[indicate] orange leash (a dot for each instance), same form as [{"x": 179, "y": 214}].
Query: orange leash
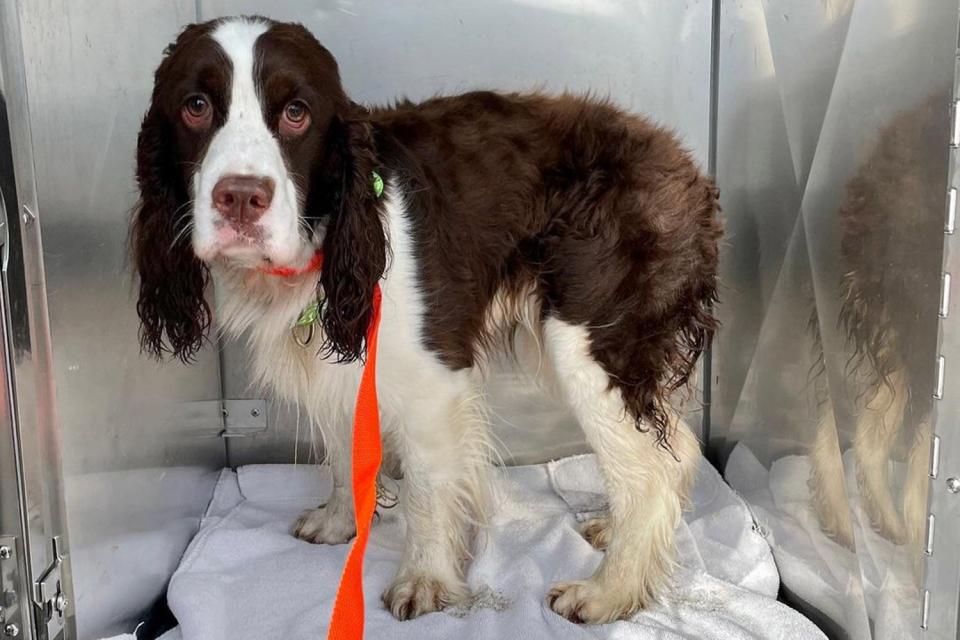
[{"x": 346, "y": 622}]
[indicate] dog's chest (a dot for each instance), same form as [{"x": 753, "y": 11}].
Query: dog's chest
[{"x": 299, "y": 375}]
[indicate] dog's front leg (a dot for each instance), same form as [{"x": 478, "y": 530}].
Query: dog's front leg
[
  {"x": 333, "y": 522},
  {"x": 438, "y": 476}
]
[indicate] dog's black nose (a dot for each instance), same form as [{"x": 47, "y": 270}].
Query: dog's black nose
[{"x": 242, "y": 199}]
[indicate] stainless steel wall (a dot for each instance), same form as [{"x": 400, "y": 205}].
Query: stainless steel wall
[
  {"x": 139, "y": 442},
  {"x": 138, "y": 457},
  {"x": 649, "y": 56},
  {"x": 832, "y": 129}
]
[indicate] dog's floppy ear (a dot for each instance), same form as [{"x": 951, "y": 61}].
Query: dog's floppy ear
[
  {"x": 355, "y": 244},
  {"x": 174, "y": 313}
]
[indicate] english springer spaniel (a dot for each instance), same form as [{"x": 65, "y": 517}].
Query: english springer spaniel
[{"x": 564, "y": 217}]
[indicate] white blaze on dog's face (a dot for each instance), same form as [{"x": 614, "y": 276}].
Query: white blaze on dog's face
[
  {"x": 246, "y": 205},
  {"x": 256, "y": 105}
]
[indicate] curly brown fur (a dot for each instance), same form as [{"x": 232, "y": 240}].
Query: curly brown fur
[
  {"x": 599, "y": 213},
  {"x": 890, "y": 278},
  {"x": 174, "y": 313}
]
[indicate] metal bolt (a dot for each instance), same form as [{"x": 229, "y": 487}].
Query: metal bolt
[
  {"x": 953, "y": 485},
  {"x": 60, "y": 603},
  {"x": 5, "y": 552},
  {"x": 255, "y": 412},
  {"x": 11, "y": 630}
]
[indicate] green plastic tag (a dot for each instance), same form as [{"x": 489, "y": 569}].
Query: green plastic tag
[
  {"x": 309, "y": 315},
  {"x": 377, "y": 184}
]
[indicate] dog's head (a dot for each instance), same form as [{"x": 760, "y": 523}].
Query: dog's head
[{"x": 252, "y": 157}]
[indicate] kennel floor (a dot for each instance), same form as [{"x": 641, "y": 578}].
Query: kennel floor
[
  {"x": 245, "y": 577},
  {"x": 871, "y": 592}
]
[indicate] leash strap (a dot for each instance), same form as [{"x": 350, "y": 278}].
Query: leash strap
[{"x": 346, "y": 622}]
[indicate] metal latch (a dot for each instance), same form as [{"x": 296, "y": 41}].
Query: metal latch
[
  {"x": 11, "y": 615},
  {"x": 50, "y": 600}
]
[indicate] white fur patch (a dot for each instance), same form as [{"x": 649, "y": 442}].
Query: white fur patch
[
  {"x": 245, "y": 145},
  {"x": 430, "y": 415}
]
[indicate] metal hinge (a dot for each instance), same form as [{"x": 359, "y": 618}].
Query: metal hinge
[
  {"x": 938, "y": 389},
  {"x": 951, "y": 223},
  {"x": 11, "y": 614},
  {"x": 934, "y": 457},
  {"x": 50, "y": 600},
  {"x": 955, "y": 128},
  {"x": 944, "y": 295}
]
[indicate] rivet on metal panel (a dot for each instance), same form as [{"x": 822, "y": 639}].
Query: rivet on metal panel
[
  {"x": 953, "y": 485},
  {"x": 27, "y": 216},
  {"x": 935, "y": 457},
  {"x": 11, "y": 630},
  {"x": 931, "y": 523},
  {"x": 951, "y": 223},
  {"x": 5, "y": 552},
  {"x": 945, "y": 295},
  {"x": 255, "y": 412},
  {"x": 941, "y": 365},
  {"x": 955, "y": 133}
]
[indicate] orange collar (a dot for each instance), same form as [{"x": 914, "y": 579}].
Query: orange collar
[{"x": 316, "y": 262}]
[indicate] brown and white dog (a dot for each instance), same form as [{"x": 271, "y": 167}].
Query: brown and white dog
[{"x": 564, "y": 216}]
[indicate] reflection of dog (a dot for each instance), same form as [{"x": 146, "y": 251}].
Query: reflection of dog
[
  {"x": 892, "y": 223},
  {"x": 476, "y": 214}
]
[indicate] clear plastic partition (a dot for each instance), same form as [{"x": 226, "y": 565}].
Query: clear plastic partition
[{"x": 832, "y": 156}]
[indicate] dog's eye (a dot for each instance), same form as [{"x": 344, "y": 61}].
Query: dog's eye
[
  {"x": 295, "y": 118},
  {"x": 196, "y": 112}
]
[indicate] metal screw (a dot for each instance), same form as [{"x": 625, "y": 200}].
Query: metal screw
[
  {"x": 60, "y": 603},
  {"x": 953, "y": 485},
  {"x": 5, "y": 553},
  {"x": 27, "y": 216},
  {"x": 11, "y": 630},
  {"x": 255, "y": 412}
]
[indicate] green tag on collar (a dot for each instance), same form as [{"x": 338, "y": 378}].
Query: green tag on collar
[
  {"x": 309, "y": 315},
  {"x": 377, "y": 184}
]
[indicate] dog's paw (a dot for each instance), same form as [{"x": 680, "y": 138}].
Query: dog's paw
[
  {"x": 414, "y": 595},
  {"x": 326, "y": 525},
  {"x": 838, "y": 527},
  {"x": 597, "y": 532},
  {"x": 587, "y": 601}
]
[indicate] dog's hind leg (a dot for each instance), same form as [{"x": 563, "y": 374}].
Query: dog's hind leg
[
  {"x": 878, "y": 426},
  {"x": 647, "y": 486},
  {"x": 828, "y": 495}
]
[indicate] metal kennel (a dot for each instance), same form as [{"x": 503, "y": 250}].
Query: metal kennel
[{"x": 831, "y": 395}]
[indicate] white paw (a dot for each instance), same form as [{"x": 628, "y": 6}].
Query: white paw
[
  {"x": 597, "y": 532},
  {"x": 413, "y": 595},
  {"x": 587, "y": 601},
  {"x": 326, "y": 525}
]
